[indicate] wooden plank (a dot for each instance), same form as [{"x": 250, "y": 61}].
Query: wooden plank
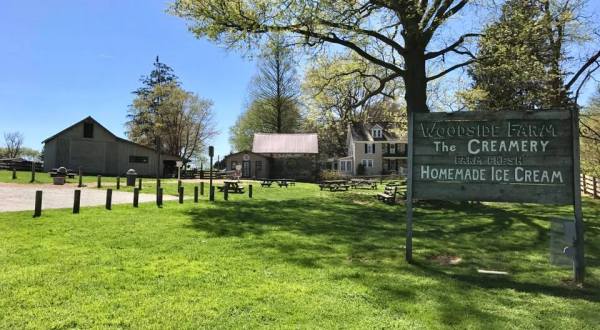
[
  {"x": 492, "y": 192},
  {"x": 504, "y": 156}
]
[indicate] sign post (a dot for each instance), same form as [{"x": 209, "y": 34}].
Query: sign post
[
  {"x": 211, "y": 153},
  {"x": 509, "y": 156}
]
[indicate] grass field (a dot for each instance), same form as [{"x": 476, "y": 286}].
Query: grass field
[
  {"x": 45, "y": 178},
  {"x": 290, "y": 258}
]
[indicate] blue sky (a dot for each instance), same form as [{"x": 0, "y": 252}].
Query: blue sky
[{"x": 63, "y": 60}]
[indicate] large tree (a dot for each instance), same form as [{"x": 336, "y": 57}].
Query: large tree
[
  {"x": 274, "y": 105},
  {"x": 525, "y": 58},
  {"x": 165, "y": 116},
  {"x": 398, "y": 36},
  {"x": 334, "y": 87}
]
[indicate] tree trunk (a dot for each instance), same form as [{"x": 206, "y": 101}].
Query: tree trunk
[{"x": 415, "y": 79}]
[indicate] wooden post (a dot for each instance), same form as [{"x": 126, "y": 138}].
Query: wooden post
[
  {"x": 178, "y": 184},
  {"x": 109, "y": 199},
  {"x": 409, "y": 191},
  {"x": 195, "y": 194},
  {"x": 32, "y": 172},
  {"x": 202, "y": 188},
  {"x": 118, "y": 182},
  {"x": 140, "y": 183},
  {"x": 99, "y": 183},
  {"x": 80, "y": 179},
  {"x": 38, "y": 204},
  {"x": 159, "y": 197},
  {"x": 14, "y": 174},
  {"x": 579, "y": 264},
  {"x": 76, "y": 201},
  {"x": 180, "y": 195},
  {"x": 211, "y": 193},
  {"x": 157, "y": 185},
  {"x": 226, "y": 192},
  {"x": 136, "y": 196},
  {"x": 249, "y": 191}
]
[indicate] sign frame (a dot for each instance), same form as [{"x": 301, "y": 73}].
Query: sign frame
[{"x": 569, "y": 161}]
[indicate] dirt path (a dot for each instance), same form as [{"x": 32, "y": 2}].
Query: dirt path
[{"x": 21, "y": 197}]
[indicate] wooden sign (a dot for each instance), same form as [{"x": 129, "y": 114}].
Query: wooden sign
[{"x": 493, "y": 156}]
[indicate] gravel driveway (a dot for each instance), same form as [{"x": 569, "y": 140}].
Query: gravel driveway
[{"x": 21, "y": 197}]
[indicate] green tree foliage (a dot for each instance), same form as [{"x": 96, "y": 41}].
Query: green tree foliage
[
  {"x": 335, "y": 88},
  {"x": 400, "y": 37},
  {"x": 165, "y": 115},
  {"x": 274, "y": 105},
  {"x": 524, "y": 61},
  {"x": 590, "y": 137}
]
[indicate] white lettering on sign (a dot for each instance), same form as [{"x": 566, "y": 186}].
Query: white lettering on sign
[{"x": 475, "y": 146}]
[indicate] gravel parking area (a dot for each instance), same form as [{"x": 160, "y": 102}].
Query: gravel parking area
[{"x": 21, "y": 197}]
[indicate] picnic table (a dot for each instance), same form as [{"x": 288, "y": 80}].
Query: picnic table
[
  {"x": 266, "y": 182},
  {"x": 286, "y": 182},
  {"x": 233, "y": 186},
  {"x": 334, "y": 185},
  {"x": 363, "y": 183}
]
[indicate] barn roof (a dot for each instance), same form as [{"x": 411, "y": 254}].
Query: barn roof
[
  {"x": 92, "y": 120},
  {"x": 300, "y": 143}
]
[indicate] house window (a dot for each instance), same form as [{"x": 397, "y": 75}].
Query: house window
[
  {"x": 392, "y": 148},
  {"x": 369, "y": 148},
  {"x": 138, "y": 159},
  {"x": 258, "y": 167},
  {"x": 367, "y": 163},
  {"x": 377, "y": 133},
  {"x": 233, "y": 164},
  {"x": 88, "y": 130},
  {"x": 345, "y": 165}
]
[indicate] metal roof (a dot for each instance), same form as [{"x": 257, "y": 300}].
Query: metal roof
[{"x": 301, "y": 143}]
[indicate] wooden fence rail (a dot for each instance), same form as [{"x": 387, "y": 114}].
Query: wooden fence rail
[{"x": 590, "y": 185}]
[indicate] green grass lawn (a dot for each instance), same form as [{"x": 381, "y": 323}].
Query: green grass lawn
[
  {"x": 292, "y": 258},
  {"x": 45, "y": 178}
]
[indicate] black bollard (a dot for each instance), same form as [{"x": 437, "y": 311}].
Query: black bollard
[
  {"x": 140, "y": 183},
  {"x": 180, "y": 195},
  {"x": 32, "y": 172},
  {"x": 195, "y": 194},
  {"x": 118, "y": 182},
  {"x": 99, "y": 183},
  {"x": 38, "y": 204},
  {"x": 76, "y": 201},
  {"x": 80, "y": 180},
  {"x": 136, "y": 197},
  {"x": 202, "y": 188},
  {"x": 14, "y": 174},
  {"x": 226, "y": 192},
  {"x": 109, "y": 199},
  {"x": 250, "y": 191},
  {"x": 159, "y": 197},
  {"x": 212, "y": 194}
]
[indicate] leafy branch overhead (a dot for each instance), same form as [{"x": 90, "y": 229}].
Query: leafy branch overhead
[{"x": 394, "y": 35}]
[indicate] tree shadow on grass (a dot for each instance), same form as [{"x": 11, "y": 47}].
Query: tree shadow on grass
[{"x": 334, "y": 232}]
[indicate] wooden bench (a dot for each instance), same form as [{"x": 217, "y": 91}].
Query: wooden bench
[{"x": 388, "y": 195}]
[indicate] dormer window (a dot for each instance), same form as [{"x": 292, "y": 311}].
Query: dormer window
[{"x": 377, "y": 132}]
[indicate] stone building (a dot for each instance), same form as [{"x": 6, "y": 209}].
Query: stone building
[{"x": 89, "y": 146}]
